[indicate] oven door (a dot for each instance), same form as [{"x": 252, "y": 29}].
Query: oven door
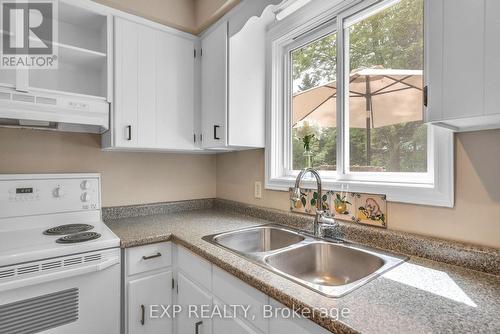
[{"x": 77, "y": 294}]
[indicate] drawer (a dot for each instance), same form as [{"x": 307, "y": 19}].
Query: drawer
[
  {"x": 195, "y": 267},
  {"x": 233, "y": 291},
  {"x": 149, "y": 257}
]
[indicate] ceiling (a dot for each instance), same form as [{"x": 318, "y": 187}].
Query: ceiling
[{"x": 192, "y": 16}]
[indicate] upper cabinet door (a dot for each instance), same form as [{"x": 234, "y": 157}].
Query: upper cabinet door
[
  {"x": 147, "y": 89},
  {"x": 126, "y": 83},
  {"x": 175, "y": 61},
  {"x": 463, "y": 66},
  {"x": 214, "y": 87},
  {"x": 154, "y": 88}
]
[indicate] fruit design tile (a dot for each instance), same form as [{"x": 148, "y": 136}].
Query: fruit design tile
[
  {"x": 371, "y": 210},
  {"x": 303, "y": 204},
  {"x": 368, "y": 209},
  {"x": 314, "y": 202},
  {"x": 343, "y": 205}
]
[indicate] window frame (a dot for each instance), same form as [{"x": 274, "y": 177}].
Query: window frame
[{"x": 316, "y": 20}]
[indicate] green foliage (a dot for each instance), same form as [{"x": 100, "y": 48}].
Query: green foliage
[
  {"x": 392, "y": 38},
  {"x": 341, "y": 200},
  {"x": 316, "y": 63}
]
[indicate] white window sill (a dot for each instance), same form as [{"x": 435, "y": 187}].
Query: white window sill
[{"x": 413, "y": 193}]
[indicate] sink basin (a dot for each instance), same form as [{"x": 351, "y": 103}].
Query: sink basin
[
  {"x": 331, "y": 268},
  {"x": 258, "y": 239},
  {"x": 326, "y": 264}
]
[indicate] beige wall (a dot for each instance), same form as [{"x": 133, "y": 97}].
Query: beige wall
[
  {"x": 209, "y": 11},
  {"x": 178, "y": 14},
  {"x": 474, "y": 219},
  {"x": 191, "y": 16},
  {"x": 127, "y": 178}
]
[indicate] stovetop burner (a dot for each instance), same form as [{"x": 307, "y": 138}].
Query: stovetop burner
[
  {"x": 68, "y": 229},
  {"x": 78, "y": 237}
]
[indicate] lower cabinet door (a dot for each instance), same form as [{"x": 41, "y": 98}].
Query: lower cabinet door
[
  {"x": 232, "y": 326},
  {"x": 145, "y": 299},
  {"x": 284, "y": 323},
  {"x": 194, "y": 302}
]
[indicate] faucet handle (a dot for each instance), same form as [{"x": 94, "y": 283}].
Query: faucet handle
[
  {"x": 296, "y": 194},
  {"x": 323, "y": 219}
]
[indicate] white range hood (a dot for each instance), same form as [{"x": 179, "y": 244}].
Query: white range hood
[{"x": 53, "y": 111}]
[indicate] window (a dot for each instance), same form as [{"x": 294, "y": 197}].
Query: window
[
  {"x": 347, "y": 99},
  {"x": 384, "y": 50},
  {"x": 313, "y": 92}
]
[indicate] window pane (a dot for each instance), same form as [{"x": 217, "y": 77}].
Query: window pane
[
  {"x": 314, "y": 138},
  {"x": 385, "y": 91}
]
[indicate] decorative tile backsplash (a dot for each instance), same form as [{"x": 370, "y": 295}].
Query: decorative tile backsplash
[
  {"x": 368, "y": 209},
  {"x": 302, "y": 205}
]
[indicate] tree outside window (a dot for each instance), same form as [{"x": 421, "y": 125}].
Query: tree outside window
[{"x": 390, "y": 40}]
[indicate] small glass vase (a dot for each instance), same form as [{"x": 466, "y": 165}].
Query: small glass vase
[{"x": 308, "y": 158}]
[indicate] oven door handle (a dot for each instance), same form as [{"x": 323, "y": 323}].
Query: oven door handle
[{"x": 69, "y": 272}]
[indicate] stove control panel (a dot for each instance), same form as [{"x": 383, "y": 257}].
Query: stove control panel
[{"x": 22, "y": 195}]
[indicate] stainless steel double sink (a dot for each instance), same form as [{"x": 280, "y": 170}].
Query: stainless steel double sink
[{"x": 332, "y": 268}]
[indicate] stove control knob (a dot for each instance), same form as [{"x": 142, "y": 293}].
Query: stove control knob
[
  {"x": 58, "y": 192},
  {"x": 85, "y": 185},
  {"x": 85, "y": 197}
]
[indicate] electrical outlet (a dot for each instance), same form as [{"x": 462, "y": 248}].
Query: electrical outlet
[{"x": 258, "y": 189}]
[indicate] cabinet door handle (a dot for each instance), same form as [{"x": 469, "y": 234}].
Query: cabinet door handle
[
  {"x": 426, "y": 95},
  {"x": 197, "y": 327},
  {"x": 151, "y": 256},
  {"x": 129, "y": 132},
  {"x": 143, "y": 311},
  {"x": 215, "y": 132}
]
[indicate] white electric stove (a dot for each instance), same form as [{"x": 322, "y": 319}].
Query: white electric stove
[{"x": 59, "y": 263}]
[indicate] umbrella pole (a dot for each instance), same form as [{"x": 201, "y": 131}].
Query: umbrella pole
[
  {"x": 368, "y": 142},
  {"x": 368, "y": 97}
]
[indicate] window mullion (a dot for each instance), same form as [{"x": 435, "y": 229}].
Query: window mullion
[{"x": 342, "y": 146}]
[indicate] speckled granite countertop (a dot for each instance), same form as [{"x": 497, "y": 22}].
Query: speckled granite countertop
[{"x": 419, "y": 296}]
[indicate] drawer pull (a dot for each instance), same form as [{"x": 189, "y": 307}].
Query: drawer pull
[
  {"x": 143, "y": 311},
  {"x": 215, "y": 132},
  {"x": 129, "y": 132},
  {"x": 197, "y": 327},
  {"x": 151, "y": 256}
]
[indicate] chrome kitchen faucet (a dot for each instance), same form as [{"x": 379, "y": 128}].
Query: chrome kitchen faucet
[{"x": 320, "y": 217}]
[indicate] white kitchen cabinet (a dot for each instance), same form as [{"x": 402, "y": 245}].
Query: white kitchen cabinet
[
  {"x": 230, "y": 324},
  {"x": 190, "y": 295},
  {"x": 201, "y": 283},
  {"x": 147, "y": 282},
  {"x": 175, "y": 85},
  {"x": 232, "y": 291},
  {"x": 153, "y": 290},
  {"x": 214, "y": 87},
  {"x": 76, "y": 95},
  {"x": 285, "y": 323},
  {"x": 233, "y": 78},
  {"x": 463, "y": 67},
  {"x": 154, "y": 89},
  {"x": 126, "y": 102}
]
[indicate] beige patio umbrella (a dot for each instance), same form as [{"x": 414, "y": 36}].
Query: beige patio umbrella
[{"x": 377, "y": 97}]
